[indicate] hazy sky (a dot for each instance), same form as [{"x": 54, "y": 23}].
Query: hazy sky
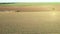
[{"x": 29, "y": 0}]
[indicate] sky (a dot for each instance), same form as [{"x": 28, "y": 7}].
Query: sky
[{"x": 29, "y": 1}]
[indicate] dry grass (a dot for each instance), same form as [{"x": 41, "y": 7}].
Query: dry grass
[{"x": 30, "y": 22}]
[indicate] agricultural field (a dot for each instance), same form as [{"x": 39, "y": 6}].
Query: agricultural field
[
  {"x": 30, "y": 18},
  {"x": 30, "y": 6}
]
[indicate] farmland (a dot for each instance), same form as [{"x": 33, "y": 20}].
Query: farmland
[
  {"x": 33, "y": 18},
  {"x": 31, "y": 6}
]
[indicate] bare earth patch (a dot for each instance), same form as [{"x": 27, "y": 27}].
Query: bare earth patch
[{"x": 27, "y": 8}]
